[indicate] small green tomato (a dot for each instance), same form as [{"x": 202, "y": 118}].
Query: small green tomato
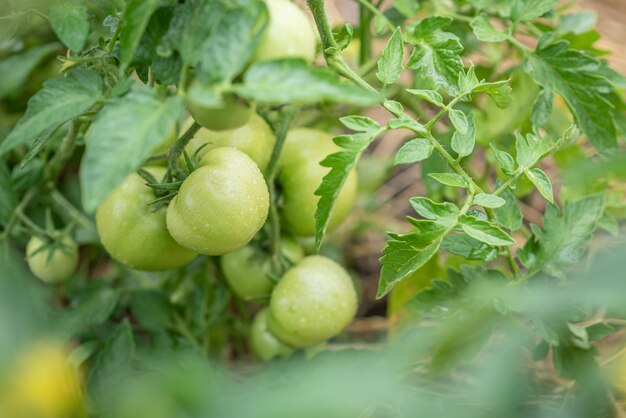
[
  {"x": 52, "y": 263},
  {"x": 264, "y": 344}
]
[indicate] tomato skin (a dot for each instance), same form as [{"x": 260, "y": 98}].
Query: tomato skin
[
  {"x": 54, "y": 268},
  {"x": 255, "y": 138},
  {"x": 135, "y": 235},
  {"x": 289, "y": 34},
  {"x": 301, "y": 174},
  {"x": 231, "y": 115},
  {"x": 314, "y": 301},
  {"x": 246, "y": 269},
  {"x": 263, "y": 342},
  {"x": 221, "y": 205}
]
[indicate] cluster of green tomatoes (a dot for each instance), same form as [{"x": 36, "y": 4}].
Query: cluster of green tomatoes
[{"x": 223, "y": 204}]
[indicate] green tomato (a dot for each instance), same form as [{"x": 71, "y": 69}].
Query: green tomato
[
  {"x": 289, "y": 34},
  {"x": 232, "y": 114},
  {"x": 133, "y": 233},
  {"x": 314, "y": 301},
  {"x": 52, "y": 263},
  {"x": 255, "y": 138},
  {"x": 221, "y": 205},
  {"x": 301, "y": 174},
  {"x": 246, "y": 270},
  {"x": 263, "y": 343}
]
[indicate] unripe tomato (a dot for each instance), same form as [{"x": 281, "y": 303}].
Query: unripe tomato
[
  {"x": 233, "y": 113},
  {"x": 255, "y": 138},
  {"x": 52, "y": 263},
  {"x": 263, "y": 343},
  {"x": 314, "y": 301},
  {"x": 44, "y": 384},
  {"x": 133, "y": 233},
  {"x": 301, "y": 174},
  {"x": 289, "y": 34},
  {"x": 246, "y": 270},
  {"x": 221, "y": 205}
]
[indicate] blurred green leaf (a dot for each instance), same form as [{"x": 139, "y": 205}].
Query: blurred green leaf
[{"x": 70, "y": 20}]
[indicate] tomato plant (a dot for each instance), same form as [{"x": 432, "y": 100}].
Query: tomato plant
[{"x": 453, "y": 170}]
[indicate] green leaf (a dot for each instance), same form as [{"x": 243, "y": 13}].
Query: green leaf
[
  {"x": 430, "y": 96},
  {"x": 562, "y": 239},
  {"x": 485, "y": 32},
  {"x": 415, "y": 150},
  {"x": 468, "y": 247},
  {"x": 112, "y": 362},
  {"x": 408, "y": 8},
  {"x": 94, "y": 308},
  {"x": 530, "y": 149},
  {"x": 499, "y": 91},
  {"x": 344, "y": 36},
  {"x": 488, "y": 200},
  {"x": 151, "y": 308},
  {"x": 485, "y": 231},
  {"x": 395, "y": 108},
  {"x": 541, "y": 182},
  {"x": 405, "y": 254},
  {"x": 61, "y": 100},
  {"x": 578, "y": 78},
  {"x": 359, "y": 123},
  {"x": 390, "y": 64},
  {"x": 8, "y": 198},
  {"x": 113, "y": 153},
  {"x": 294, "y": 81},
  {"x": 405, "y": 122},
  {"x": 509, "y": 215},
  {"x": 505, "y": 160},
  {"x": 437, "y": 54},
  {"x": 14, "y": 70},
  {"x": 444, "y": 213},
  {"x": 577, "y": 22},
  {"x": 459, "y": 120},
  {"x": 450, "y": 179},
  {"x": 542, "y": 108},
  {"x": 463, "y": 143},
  {"x": 227, "y": 51},
  {"x": 135, "y": 21},
  {"x": 525, "y": 10},
  {"x": 341, "y": 164},
  {"x": 70, "y": 22}
]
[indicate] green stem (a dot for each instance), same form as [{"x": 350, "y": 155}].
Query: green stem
[
  {"x": 64, "y": 152},
  {"x": 369, "y": 6},
  {"x": 178, "y": 148},
  {"x": 73, "y": 212},
  {"x": 520, "y": 45},
  {"x": 113, "y": 40},
  {"x": 286, "y": 117},
  {"x": 507, "y": 183},
  {"x": 512, "y": 263}
]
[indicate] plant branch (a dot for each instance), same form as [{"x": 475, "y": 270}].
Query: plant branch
[{"x": 178, "y": 148}]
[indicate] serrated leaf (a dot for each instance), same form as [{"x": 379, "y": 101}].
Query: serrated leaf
[
  {"x": 463, "y": 143},
  {"x": 525, "y": 10},
  {"x": 112, "y": 153},
  {"x": 445, "y": 212},
  {"x": 8, "y": 197},
  {"x": 459, "y": 120},
  {"x": 468, "y": 247},
  {"x": 415, "y": 150},
  {"x": 344, "y": 36},
  {"x": 359, "y": 123},
  {"x": 405, "y": 254},
  {"x": 485, "y": 32},
  {"x": 294, "y": 81},
  {"x": 488, "y": 200},
  {"x": 135, "y": 19},
  {"x": 578, "y": 78},
  {"x": 390, "y": 63},
  {"x": 341, "y": 164},
  {"x": 405, "y": 122},
  {"x": 437, "y": 54},
  {"x": 541, "y": 182},
  {"x": 450, "y": 179},
  {"x": 542, "y": 108},
  {"x": 509, "y": 215},
  {"x": 562, "y": 238},
  {"x": 430, "y": 96},
  {"x": 484, "y": 231},
  {"x": 505, "y": 160},
  {"x": 395, "y": 108},
  {"x": 70, "y": 21},
  {"x": 407, "y": 7},
  {"x": 61, "y": 100},
  {"x": 15, "y": 69}
]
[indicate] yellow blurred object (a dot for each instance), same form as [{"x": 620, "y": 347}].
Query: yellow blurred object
[
  {"x": 43, "y": 384},
  {"x": 618, "y": 373}
]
